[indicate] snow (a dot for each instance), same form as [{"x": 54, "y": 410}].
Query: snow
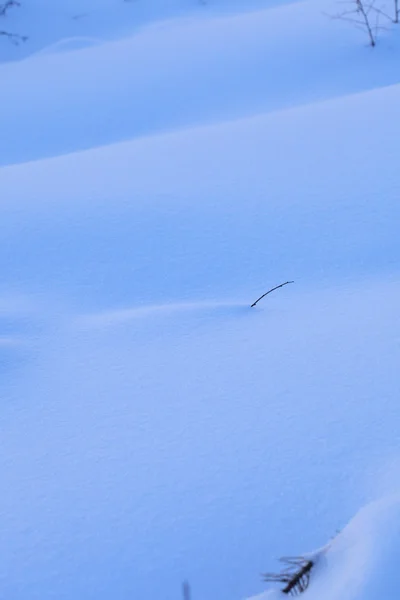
[
  {"x": 166, "y": 77},
  {"x": 163, "y": 165},
  {"x": 361, "y": 562}
]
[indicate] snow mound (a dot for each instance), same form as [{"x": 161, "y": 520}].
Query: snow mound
[
  {"x": 166, "y": 77},
  {"x": 68, "y": 44},
  {"x": 362, "y": 562},
  {"x": 154, "y": 427}
]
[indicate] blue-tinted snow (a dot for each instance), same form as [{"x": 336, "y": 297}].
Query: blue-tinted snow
[{"x": 154, "y": 428}]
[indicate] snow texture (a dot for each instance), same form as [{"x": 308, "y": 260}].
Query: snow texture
[
  {"x": 362, "y": 561},
  {"x": 163, "y": 164}
]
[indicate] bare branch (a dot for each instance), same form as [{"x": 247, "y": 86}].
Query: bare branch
[
  {"x": 186, "y": 591},
  {"x": 4, "y": 7},
  {"x": 269, "y": 291},
  {"x": 357, "y": 24},
  {"x": 364, "y": 14},
  {"x": 360, "y": 14},
  {"x": 396, "y": 11},
  {"x": 15, "y": 38},
  {"x": 382, "y": 13},
  {"x": 295, "y": 577}
]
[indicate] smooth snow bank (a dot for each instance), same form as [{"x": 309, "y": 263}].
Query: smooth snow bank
[
  {"x": 46, "y": 22},
  {"x": 154, "y": 428},
  {"x": 182, "y": 73},
  {"x": 308, "y": 194},
  {"x": 362, "y": 562},
  {"x": 143, "y": 448}
]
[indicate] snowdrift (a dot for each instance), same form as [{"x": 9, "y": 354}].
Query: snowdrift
[
  {"x": 361, "y": 563},
  {"x": 182, "y": 73},
  {"x": 156, "y": 180}
]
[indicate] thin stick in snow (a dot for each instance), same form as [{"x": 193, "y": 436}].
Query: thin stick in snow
[
  {"x": 6, "y": 5},
  {"x": 295, "y": 577},
  {"x": 186, "y": 591},
  {"x": 269, "y": 291},
  {"x": 15, "y": 38},
  {"x": 361, "y": 13}
]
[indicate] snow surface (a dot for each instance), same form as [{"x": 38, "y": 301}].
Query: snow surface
[
  {"x": 163, "y": 165},
  {"x": 361, "y": 562},
  {"x": 180, "y": 73}
]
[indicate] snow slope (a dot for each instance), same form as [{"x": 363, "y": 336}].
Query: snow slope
[
  {"x": 196, "y": 215},
  {"x": 154, "y": 427},
  {"x": 362, "y": 561},
  {"x": 50, "y": 25},
  {"x": 182, "y": 73}
]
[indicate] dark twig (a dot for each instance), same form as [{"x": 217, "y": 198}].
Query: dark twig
[
  {"x": 295, "y": 577},
  {"x": 364, "y": 11},
  {"x": 269, "y": 291},
  {"x": 382, "y": 13},
  {"x": 4, "y": 7},
  {"x": 186, "y": 591},
  {"x": 361, "y": 16},
  {"x": 15, "y": 38}
]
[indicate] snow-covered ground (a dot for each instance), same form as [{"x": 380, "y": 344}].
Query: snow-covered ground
[
  {"x": 163, "y": 165},
  {"x": 180, "y": 73},
  {"x": 361, "y": 562}
]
